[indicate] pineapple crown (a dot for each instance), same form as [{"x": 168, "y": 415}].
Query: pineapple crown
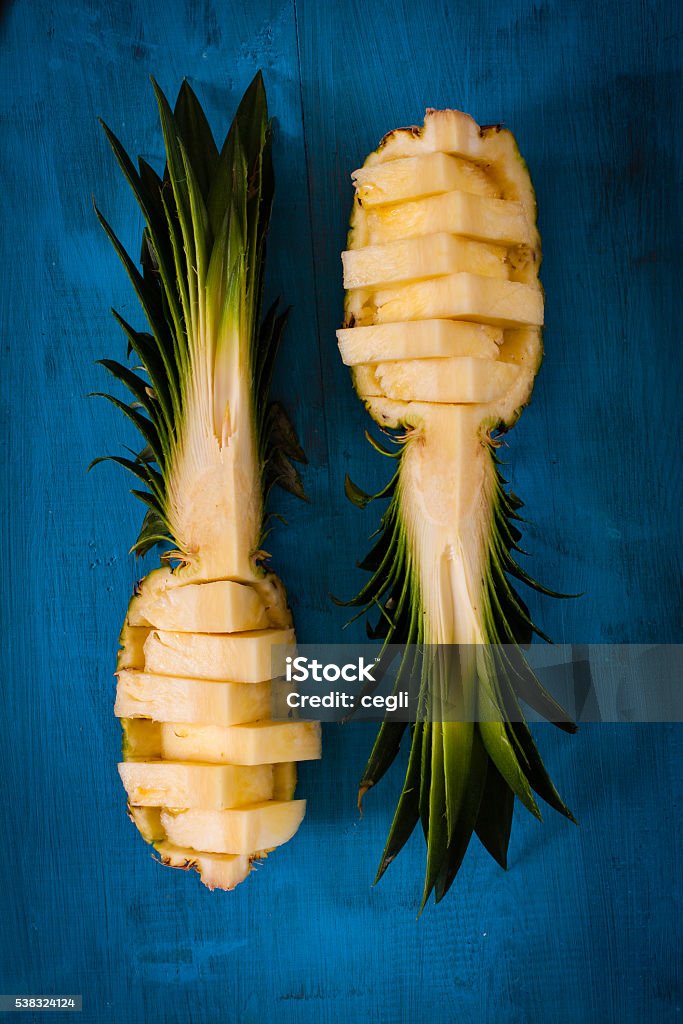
[{"x": 200, "y": 286}]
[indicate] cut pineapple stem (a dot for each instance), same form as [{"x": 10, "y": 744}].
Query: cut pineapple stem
[
  {"x": 443, "y": 335},
  {"x": 196, "y": 655}
]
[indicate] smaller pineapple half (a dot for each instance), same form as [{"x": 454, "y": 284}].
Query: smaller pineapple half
[
  {"x": 442, "y": 332},
  {"x": 210, "y": 778}
]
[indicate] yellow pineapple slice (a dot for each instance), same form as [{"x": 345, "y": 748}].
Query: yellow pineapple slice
[
  {"x": 460, "y": 213},
  {"x": 174, "y": 699},
  {"x": 461, "y": 381},
  {"x": 254, "y": 743},
  {"x": 219, "y": 606},
  {"x": 419, "y": 176},
  {"x": 216, "y": 870},
  {"x": 415, "y": 339},
  {"x": 240, "y": 830},
  {"x": 465, "y": 296},
  {"x": 209, "y": 786},
  {"x": 416, "y": 258},
  {"x": 238, "y": 657}
]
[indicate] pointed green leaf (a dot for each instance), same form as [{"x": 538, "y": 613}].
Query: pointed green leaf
[{"x": 197, "y": 137}]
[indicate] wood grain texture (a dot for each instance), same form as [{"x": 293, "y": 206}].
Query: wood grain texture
[{"x": 586, "y": 926}]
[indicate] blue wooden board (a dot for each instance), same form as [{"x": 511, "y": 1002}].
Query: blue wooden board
[{"x": 586, "y": 926}]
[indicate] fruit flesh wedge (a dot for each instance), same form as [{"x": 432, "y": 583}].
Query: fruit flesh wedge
[
  {"x": 247, "y": 657},
  {"x": 148, "y": 819},
  {"x": 465, "y": 296},
  {"x": 418, "y": 339},
  {"x": 254, "y": 743},
  {"x": 415, "y": 258},
  {"x": 420, "y": 176},
  {"x": 220, "y": 606},
  {"x": 460, "y": 213},
  {"x": 211, "y": 787},
  {"x": 173, "y": 699},
  {"x": 460, "y": 381},
  {"x": 263, "y": 826}
]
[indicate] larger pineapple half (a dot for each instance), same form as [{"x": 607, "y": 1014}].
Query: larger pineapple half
[
  {"x": 443, "y": 319},
  {"x": 210, "y": 778}
]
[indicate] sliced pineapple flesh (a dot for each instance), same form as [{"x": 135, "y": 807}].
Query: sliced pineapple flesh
[
  {"x": 463, "y": 296},
  {"x": 418, "y": 339},
  {"x": 132, "y": 646},
  {"x": 240, "y": 830},
  {"x": 460, "y": 381},
  {"x": 460, "y": 213},
  {"x": 254, "y": 743},
  {"x": 420, "y": 176},
  {"x": 443, "y": 304},
  {"x": 205, "y": 786},
  {"x": 411, "y": 259},
  {"x": 221, "y": 606},
  {"x": 179, "y": 699},
  {"x": 246, "y": 657},
  {"x": 193, "y": 694}
]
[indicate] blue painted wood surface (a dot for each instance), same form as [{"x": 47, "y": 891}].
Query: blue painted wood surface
[{"x": 586, "y": 926}]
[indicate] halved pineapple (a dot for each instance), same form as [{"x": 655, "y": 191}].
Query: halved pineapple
[
  {"x": 197, "y": 645},
  {"x": 443, "y": 248}
]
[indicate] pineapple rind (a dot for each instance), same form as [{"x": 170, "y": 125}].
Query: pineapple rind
[{"x": 217, "y": 871}]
